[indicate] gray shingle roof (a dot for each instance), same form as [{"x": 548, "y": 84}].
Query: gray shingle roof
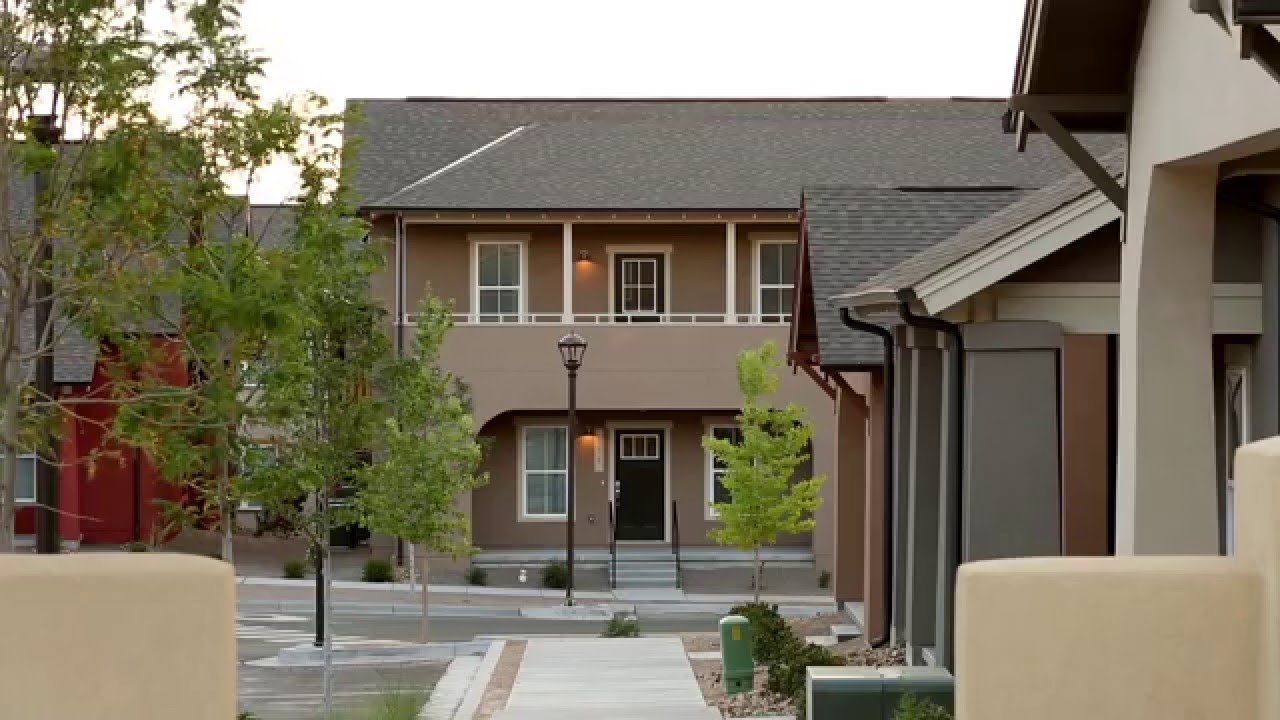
[
  {"x": 692, "y": 154},
  {"x": 990, "y": 229},
  {"x": 854, "y": 232}
]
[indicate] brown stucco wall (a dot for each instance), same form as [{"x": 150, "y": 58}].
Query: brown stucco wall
[
  {"x": 440, "y": 256},
  {"x": 696, "y": 273},
  {"x": 1084, "y": 444},
  {"x": 495, "y": 507},
  {"x": 849, "y": 496}
]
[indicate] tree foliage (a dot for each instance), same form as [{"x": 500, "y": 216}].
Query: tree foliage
[{"x": 766, "y": 497}]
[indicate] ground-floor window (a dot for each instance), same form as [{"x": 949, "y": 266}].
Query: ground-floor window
[
  {"x": 716, "y": 468},
  {"x": 544, "y": 472},
  {"x": 25, "y": 489}
]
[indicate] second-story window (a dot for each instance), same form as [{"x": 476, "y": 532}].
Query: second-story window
[
  {"x": 499, "y": 290},
  {"x": 775, "y": 286}
]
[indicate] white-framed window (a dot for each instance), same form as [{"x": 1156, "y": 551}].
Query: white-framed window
[
  {"x": 256, "y": 456},
  {"x": 25, "y": 489},
  {"x": 640, "y": 286},
  {"x": 775, "y": 279},
  {"x": 498, "y": 294},
  {"x": 716, "y": 468},
  {"x": 544, "y": 471},
  {"x": 639, "y": 446}
]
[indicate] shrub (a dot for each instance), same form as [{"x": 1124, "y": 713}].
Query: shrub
[
  {"x": 396, "y": 705},
  {"x": 136, "y": 546},
  {"x": 622, "y": 625},
  {"x": 771, "y": 639},
  {"x": 787, "y": 675},
  {"x": 916, "y": 708},
  {"x": 555, "y": 575},
  {"x": 477, "y": 576},
  {"x": 245, "y": 714},
  {"x": 824, "y": 579},
  {"x": 295, "y": 569},
  {"x": 377, "y": 571}
]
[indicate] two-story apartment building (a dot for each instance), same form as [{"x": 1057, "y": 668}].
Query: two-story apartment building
[{"x": 663, "y": 232}]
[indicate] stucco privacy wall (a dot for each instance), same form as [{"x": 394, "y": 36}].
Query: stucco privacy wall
[
  {"x": 137, "y": 636},
  {"x": 1186, "y": 637}
]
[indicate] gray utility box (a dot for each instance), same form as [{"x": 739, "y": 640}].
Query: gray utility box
[{"x": 863, "y": 693}]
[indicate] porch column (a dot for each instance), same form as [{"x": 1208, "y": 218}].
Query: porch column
[
  {"x": 924, "y": 497},
  {"x": 566, "y": 303},
  {"x": 850, "y": 495},
  {"x": 730, "y": 272},
  {"x": 874, "y": 613},
  {"x": 1166, "y": 494},
  {"x": 904, "y": 385}
]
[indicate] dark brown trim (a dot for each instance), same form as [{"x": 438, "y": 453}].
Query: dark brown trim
[
  {"x": 818, "y": 379},
  {"x": 1086, "y": 162}
]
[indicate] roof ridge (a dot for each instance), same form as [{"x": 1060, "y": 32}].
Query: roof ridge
[
  {"x": 456, "y": 163},
  {"x": 689, "y": 100}
]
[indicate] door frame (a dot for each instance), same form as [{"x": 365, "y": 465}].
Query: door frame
[
  {"x": 611, "y": 433},
  {"x": 663, "y": 250}
]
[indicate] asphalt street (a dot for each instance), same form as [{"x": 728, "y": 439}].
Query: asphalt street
[{"x": 273, "y": 693}]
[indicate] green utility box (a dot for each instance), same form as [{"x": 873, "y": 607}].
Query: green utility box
[
  {"x": 736, "y": 665},
  {"x": 863, "y": 693}
]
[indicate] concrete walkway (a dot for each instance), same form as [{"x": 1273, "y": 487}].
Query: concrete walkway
[{"x": 620, "y": 679}]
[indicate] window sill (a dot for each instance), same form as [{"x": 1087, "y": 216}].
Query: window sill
[{"x": 544, "y": 518}]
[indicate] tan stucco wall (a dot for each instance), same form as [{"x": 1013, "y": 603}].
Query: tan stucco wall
[
  {"x": 1131, "y": 638},
  {"x": 495, "y": 507},
  {"x": 108, "y": 635}
]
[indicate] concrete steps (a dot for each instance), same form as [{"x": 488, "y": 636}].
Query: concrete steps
[{"x": 656, "y": 573}]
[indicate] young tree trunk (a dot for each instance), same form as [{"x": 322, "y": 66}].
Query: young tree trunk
[
  {"x": 328, "y": 634},
  {"x": 422, "y": 577},
  {"x": 758, "y": 573},
  {"x": 9, "y": 475},
  {"x": 224, "y": 506}
]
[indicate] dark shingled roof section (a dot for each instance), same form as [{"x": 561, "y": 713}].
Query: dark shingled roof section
[
  {"x": 853, "y": 233},
  {"x": 990, "y": 229},
  {"x": 677, "y": 155}
]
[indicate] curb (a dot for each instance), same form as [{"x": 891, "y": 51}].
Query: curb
[
  {"x": 597, "y": 613},
  {"x": 451, "y": 689},
  {"x": 480, "y": 682}
]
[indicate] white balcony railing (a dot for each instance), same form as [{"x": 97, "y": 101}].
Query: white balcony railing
[{"x": 675, "y": 318}]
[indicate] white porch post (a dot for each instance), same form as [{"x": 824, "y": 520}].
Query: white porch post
[
  {"x": 730, "y": 272},
  {"x": 566, "y": 303},
  {"x": 1166, "y": 484}
]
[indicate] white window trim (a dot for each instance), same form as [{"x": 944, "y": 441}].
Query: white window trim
[
  {"x": 522, "y": 299},
  {"x": 35, "y": 485},
  {"x": 638, "y": 285},
  {"x": 656, "y": 437},
  {"x": 523, "y": 514},
  {"x": 709, "y": 486},
  {"x": 759, "y": 240},
  {"x": 663, "y": 250}
]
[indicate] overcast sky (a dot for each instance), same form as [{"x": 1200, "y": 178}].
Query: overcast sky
[{"x": 595, "y": 48}]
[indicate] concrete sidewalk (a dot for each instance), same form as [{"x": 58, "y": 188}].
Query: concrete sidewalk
[{"x": 620, "y": 679}]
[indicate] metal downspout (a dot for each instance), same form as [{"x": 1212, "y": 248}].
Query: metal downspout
[
  {"x": 885, "y": 335},
  {"x": 957, "y": 460}
]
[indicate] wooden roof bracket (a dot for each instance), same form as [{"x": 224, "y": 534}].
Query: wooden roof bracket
[
  {"x": 1257, "y": 42},
  {"x": 800, "y": 360},
  {"x": 1040, "y": 110}
]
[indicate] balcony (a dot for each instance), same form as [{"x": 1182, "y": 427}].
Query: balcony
[{"x": 674, "y": 362}]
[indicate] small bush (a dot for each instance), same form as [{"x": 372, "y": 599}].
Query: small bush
[
  {"x": 136, "y": 546},
  {"x": 555, "y": 575},
  {"x": 787, "y": 675},
  {"x": 622, "y": 625},
  {"x": 916, "y": 708},
  {"x": 377, "y": 571},
  {"x": 477, "y": 576},
  {"x": 824, "y": 579},
  {"x": 245, "y": 714},
  {"x": 771, "y": 639},
  {"x": 296, "y": 569}
]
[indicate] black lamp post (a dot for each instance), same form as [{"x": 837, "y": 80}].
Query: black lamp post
[
  {"x": 572, "y": 348},
  {"x": 42, "y": 123}
]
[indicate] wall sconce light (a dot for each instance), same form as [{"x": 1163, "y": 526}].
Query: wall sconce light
[
  {"x": 587, "y": 431},
  {"x": 584, "y": 256}
]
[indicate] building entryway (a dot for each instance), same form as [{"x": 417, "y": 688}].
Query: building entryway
[{"x": 639, "y": 483}]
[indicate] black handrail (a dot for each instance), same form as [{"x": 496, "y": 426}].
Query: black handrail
[
  {"x": 613, "y": 550},
  {"x": 675, "y": 538}
]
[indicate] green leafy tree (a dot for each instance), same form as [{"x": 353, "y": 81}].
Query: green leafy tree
[
  {"x": 112, "y": 198},
  {"x": 766, "y": 498},
  {"x": 429, "y": 453}
]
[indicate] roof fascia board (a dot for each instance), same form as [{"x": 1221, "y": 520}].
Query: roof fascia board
[
  {"x": 1015, "y": 251},
  {"x": 599, "y": 217}
]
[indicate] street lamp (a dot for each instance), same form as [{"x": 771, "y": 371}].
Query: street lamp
[
  {"x": 572, "y": 348},
  {"x": 33, "y": 67}
]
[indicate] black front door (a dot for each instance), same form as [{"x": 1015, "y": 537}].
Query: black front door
[
  {"x": 639, "y": 287},
  {"x": 639, "y": 484}
]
